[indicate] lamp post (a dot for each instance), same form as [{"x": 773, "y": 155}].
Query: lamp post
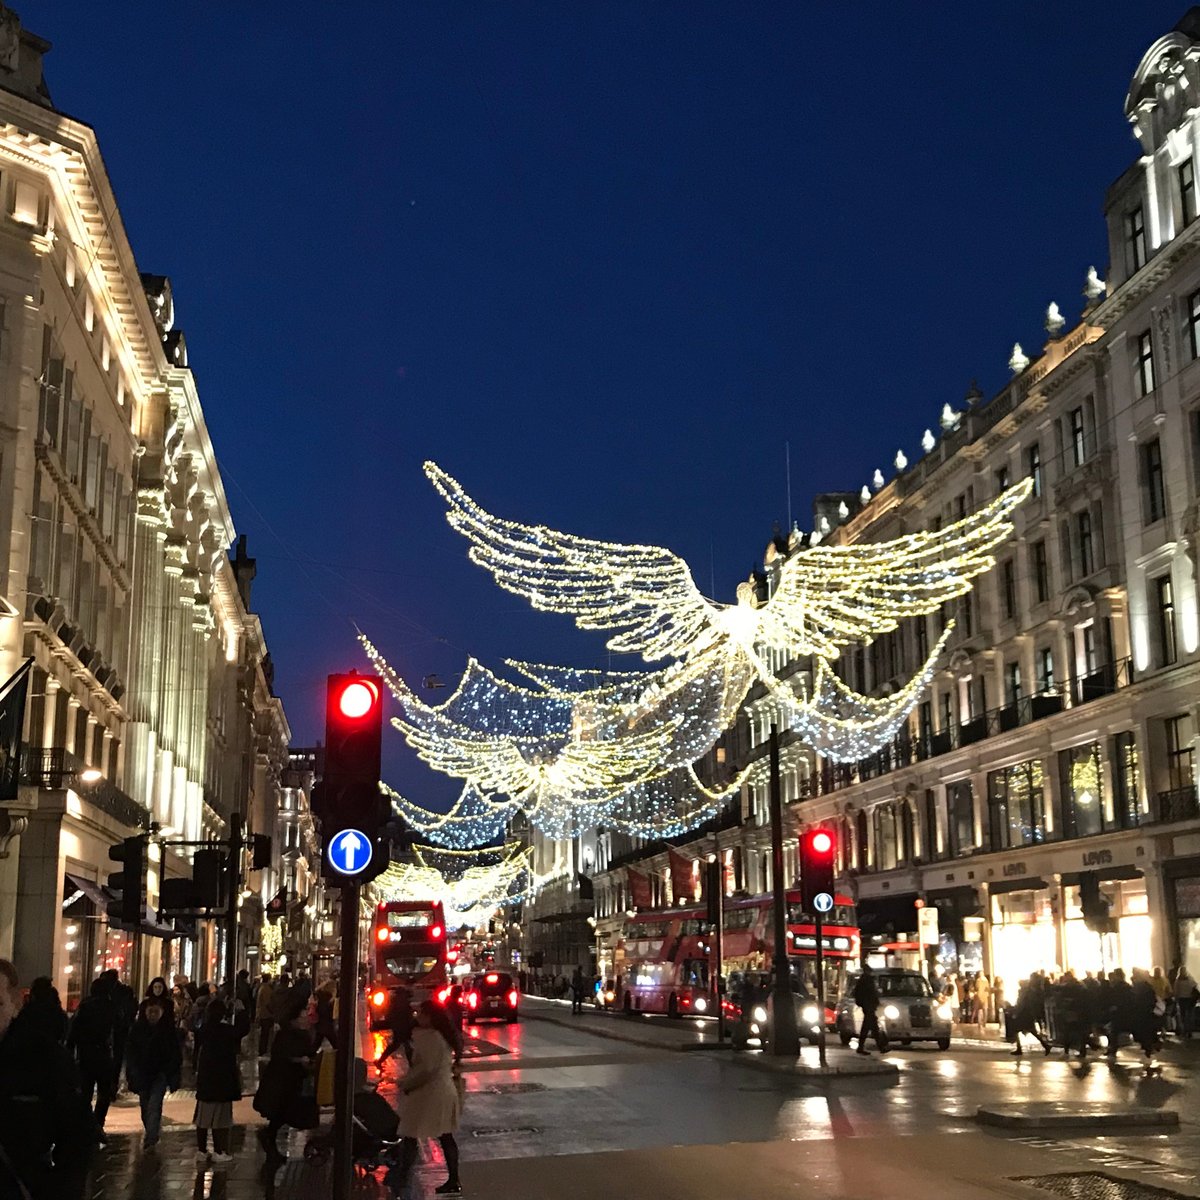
[{"x": 785, "y": 1037}]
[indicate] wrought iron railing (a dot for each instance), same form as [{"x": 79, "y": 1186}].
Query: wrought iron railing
[
  {"x": 1178, "y": 804},
  {"x": 56, "y": 769}
]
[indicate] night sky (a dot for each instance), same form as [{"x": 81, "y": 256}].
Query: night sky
[{"x": 602, "y": 261}]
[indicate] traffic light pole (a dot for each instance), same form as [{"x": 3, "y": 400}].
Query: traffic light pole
[
  {"x": 235, "y": 890},
  {"x": 785, "y": 1037},
  {"x": 820, "y": 989},
  {"x": 343, "y": 1081},
  {"x": 717, "y": 893}
]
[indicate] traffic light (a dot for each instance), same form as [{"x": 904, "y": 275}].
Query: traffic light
[
  {"x": 128, "y": 906},
  {"x": 817, "y": 847},
  {"x": 352, "y": 810},
  {"x": 1093, "y": 904},
  {"x": 260, "y": 852}
]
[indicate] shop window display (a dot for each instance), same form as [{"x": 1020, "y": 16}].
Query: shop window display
[{"x": 1017, "y": 805}]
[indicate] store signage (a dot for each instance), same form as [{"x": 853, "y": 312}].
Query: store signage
[
  {"x": 1015, "y": 868},
  {"x": 1098, "y": 858}
]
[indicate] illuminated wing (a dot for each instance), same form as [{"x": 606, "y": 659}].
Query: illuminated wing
[
  {"x": 580, "y": 770},
  {"x": 644, "y": 593},
  {"x": 831, "y": 596}
]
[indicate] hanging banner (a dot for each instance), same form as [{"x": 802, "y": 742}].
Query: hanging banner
[
  {"x": 927, "y": 925},
  {"x": 683, "y": 888},
  {"x": 639, "y": 889}
]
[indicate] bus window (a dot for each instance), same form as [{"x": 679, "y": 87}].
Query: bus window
[
  {"x": 411, "y": 918},
  {"x": 694, "y": 971}
]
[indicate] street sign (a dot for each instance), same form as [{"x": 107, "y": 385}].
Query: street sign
[
  {"x": 823, "y": 902},
  {"x": 349, "y": 852},
  {"x": 927, "y": 922}
]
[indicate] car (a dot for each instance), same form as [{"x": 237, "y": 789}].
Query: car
[
  {"x": 908, "y": 1010},
  {"x": 492, "y": 995},
  {"x": 749, "y": 1009}
]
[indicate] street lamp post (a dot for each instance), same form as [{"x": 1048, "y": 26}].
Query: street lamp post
[{"x": 785, "y": 1037}]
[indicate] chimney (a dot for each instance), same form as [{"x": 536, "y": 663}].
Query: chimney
[
  {"x": 244, "y": 570},
  {"x": 21, "y": 59}
]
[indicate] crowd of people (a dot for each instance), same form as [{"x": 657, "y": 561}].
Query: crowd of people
[{"x": 60, "y": 1072}]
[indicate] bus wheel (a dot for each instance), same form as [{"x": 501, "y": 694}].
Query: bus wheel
[{"x": 672, "y": 1007}]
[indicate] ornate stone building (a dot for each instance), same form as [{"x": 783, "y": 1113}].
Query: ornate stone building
[
  {"x": 1052, "y": 757},
  {"x": 149, "y": 704}
]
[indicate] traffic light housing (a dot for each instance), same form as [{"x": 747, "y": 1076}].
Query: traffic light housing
[
  {"x": 128, "y": 906},
  {"x": 260, "y": 852},
  {"x": 1093, "y": 904},
  {"x": 818, "y": 849},
  {"x": 348, "y": 796}
]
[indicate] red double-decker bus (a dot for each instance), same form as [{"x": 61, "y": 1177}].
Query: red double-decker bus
[
  {"x": 669, "y": 956},
  {"x": 408, "y": 950}
]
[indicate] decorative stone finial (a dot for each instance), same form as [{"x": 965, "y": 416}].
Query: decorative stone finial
[
  {"x": 865, "y": 494},
  {"x": 928, "y": 441},
  {"x": 843, "y": 511},
  {"x": 877, "y": 479},
  {"x": 814, "y": 538},
  {"x": 1094, "y": 287},
  {"x": 949, "y": 418},
  {"x": 824, "y": 526},
  {"x": 1019, "y": 360},
  {"x": 1054, "y": 320},
  {"x": 901, "y": 460}
]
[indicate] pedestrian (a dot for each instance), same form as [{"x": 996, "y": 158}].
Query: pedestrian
[
  {"x": 1074, "y": 1014},
  {"x": 866, "y": 996},
  {"x": 432, "y": 1097},
  {"x": 523, "y": 980},
  {"x": 204, "y": 997},
  {"x": 47, "y": 1134},
  {"x": 243, "y": 991},
  {"x": 1027, "y": 1014},
  {"x": 1185, "y": 1001},
  {"x": 1120, "y": 1010},
  {"x": 577, "y": 990},
  {"x": 286, "y": 1094},
  {"x": 159, "y": 991},
  {"x": 1147, "y": 1012},
  {"x": 983, "y": 999},
  {"x": 153, "y": 1062},
  {"x": 125, "y": 1005},
  {"x": 454, "y": 1009},
  {"x": 303, "y": 989},
  {"x": 324, "y": 1025},
  {"x": 218, "y": 1080},
  {"x": 43, "y": 1011},
  {"x": 400, "y": 1025},
  {"x": 264, "y": 1015},
  {"x": 90, "y": 1041}
]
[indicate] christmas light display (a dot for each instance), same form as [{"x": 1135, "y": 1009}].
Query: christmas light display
[
  {"x": 473, "y": 820},
  {"x": 826, "y": 597}
]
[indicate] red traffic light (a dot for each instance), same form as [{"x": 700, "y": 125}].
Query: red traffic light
[
  {"x": 357, "y": 698},
  {"x": 821, "y": 842}
]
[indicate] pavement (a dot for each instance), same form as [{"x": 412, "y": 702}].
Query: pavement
[{"x": 558, "y": 1107}]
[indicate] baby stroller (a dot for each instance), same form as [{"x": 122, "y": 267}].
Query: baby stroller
[{"x": 373, "y": 1131}]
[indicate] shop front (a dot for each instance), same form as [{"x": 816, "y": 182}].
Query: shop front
[{"x": 1024, "y": 929}]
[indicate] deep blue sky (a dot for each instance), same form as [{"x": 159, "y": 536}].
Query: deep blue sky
[{"x": 599, "y": 259}]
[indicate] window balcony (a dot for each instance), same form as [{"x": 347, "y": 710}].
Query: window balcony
[
  {"x": 1102, "y": 681},
  {"x": 58, "y": 769},
  {"x": 1179, "y": 804}
]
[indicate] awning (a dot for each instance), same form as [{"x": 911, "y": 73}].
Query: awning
[{"x": 89, "y": 889}]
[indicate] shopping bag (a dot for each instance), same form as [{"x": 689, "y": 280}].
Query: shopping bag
[{"x": 325, "y": 1072}]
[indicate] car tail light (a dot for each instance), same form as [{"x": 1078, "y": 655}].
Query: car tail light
[
  {"x": 685, "y": 1000},
  {"x": 472, "y": 999},
  {"x": 378, "y": 998},
  {"x": 492, "y": 978},
  {"x": 512, "y": 998},
  {"x": 381, "y": 934},
  {"x": 435, "y": 932},
  {"x": 443, "y": 995}
]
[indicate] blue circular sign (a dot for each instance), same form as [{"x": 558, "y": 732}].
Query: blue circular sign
[
  {"x": 349, "y": 852},
  {"x": 823, "y": 902}
]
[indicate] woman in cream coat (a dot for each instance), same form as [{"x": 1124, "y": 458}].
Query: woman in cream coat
[{"x": 432, "y": 1100}]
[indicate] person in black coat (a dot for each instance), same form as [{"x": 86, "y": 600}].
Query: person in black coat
[
  {"x": 284, "y": 1096},
  {"x": 866, "y": 996},
  {"x": 1120, "y": 1010},
  {"x": 160, "y": 991},
  {"x": 218, "y": 1078},
  {"x": 43, "y": 1011},
  {"x": 153, "y": 1062},
  {"x": 47, "y": 1133},
  {"x": 90, "y": 1040}
]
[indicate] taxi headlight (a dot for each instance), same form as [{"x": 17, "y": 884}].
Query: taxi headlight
[
  {"x": 759, "y": 1013},
  {"x": 891, "y": 1012},
  {"x": 945, "y": 1012},
  {"x": 754, "y": 1029},
  {"x": 809, "y": 1014},
  {"x": 700, "y": 1005}
]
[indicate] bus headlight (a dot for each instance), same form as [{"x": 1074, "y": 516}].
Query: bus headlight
[
  {"x": 759, "y": 1013},
  {"x": 754, "y": 1029},
  {"x": 700, "y": 1004},
  {"x": 809, "y": 1014},
  {"x": 892, "y": 1012}
]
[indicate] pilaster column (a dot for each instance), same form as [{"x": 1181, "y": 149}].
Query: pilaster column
[{"x": 50, "y": 712}]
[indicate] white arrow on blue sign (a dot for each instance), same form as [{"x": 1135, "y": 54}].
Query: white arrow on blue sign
[
  {"x": 823, "y": 902},
  {"x": 349, "y": 852}
]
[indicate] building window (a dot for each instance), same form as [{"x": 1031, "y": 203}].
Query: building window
[
  {"x": 960, "y": 813},
  {"x": 1126, "y": 780},
  {"x": 1154, "y": 502},
  {"x": 1016, "y": 805},
  {"x": 1164, "y": 619},
  {"x": 1041, "y": 571},
  {"x": 1008, "y": 588},
  {"x": 1012, "y": 682},
  {"x": 1087, "y": 644},
  {"x": 1033, "y": 465},
  {"x": 1144, "y": 363},
  {"x": 1083, "y": 529},
  {"x": 925, "y": 722},
  {"x": 1078, "y": 439},
  {"x": 1135, "y": 239},
  {"x": 1082, "y": 790},
  {"x": 947, "y": 711},
  {"x": 1045, "y": 661},
  {"x": 1180, "y": 767},
  {"x": 929, "y": 838},
  {"x": 966, "y": 608},
  {"x": 1193, "y": 323},
  {"x": 1002, "y": 479},
  {"x": 1186, "y": 175},
  {"x": 922, "y": 638},
  {"x": 886, "y": 843}
]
